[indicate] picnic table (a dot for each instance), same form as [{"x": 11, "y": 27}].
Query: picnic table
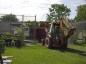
[{"x": 6, "y": 59}]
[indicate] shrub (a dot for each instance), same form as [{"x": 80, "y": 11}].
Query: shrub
[{"x": 2, "y": 46}]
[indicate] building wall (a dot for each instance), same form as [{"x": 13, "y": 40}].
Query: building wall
[
  {"x": 5, "y": 27},
  {"x": 8, "y": 27}
]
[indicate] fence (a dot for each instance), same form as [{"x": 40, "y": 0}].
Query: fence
[
  {"x": 7, "y": 27},
  {"x": 10, "y": 26},
  {"x": 22, "y": 17},
  {"x": 80, "y": 33}
]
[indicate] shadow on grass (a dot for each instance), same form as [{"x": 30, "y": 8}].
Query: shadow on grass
[
  {"x": 71, "y": 50},
  {"x": 82, "y": 44},
  {"x": 82, "y": 53}
]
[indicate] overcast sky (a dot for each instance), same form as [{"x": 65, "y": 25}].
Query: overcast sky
[{"x": 36, "y": 7}]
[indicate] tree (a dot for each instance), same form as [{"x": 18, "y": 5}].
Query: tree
[
  {"x": 81, "y": 13},
  {"x": 57, "y": 11},
  {"x": 9, "y": 18}
]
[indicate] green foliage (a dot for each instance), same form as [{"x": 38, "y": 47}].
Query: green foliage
[
  {"x": 81, "y": 13},
  {"x": 1, "y": 43},
  {"x": 9, "y": 18},
  {"x": 7, "y": 35},
  {"x": 31, "y": 24},
  {"x": 19, "y": 34},
  {"x": 1, "y": 38},
  {"x": 18, "y": 30},
  {"x": 18, "y": 37},
  {"x": 57, "y": 11},
  {"x": 27, "y": 23}
]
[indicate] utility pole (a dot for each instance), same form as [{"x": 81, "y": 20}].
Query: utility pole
[
  {"x": 22, "y": 29},
  {"x": 35, "y": 28},
  {"x": 35, "y": 18},
  {"x": 10, "y": 26}
]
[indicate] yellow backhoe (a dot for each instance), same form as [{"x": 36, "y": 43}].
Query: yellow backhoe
[{"x": 58, "y": 33}]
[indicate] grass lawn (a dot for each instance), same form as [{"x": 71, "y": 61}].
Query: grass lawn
[{"x": 41, "y": 55}]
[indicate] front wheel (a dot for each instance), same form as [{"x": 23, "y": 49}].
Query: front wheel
[{"x": 48, "y": 43}]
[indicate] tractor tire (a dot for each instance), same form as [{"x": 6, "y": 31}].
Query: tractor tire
[{"x": 48, "y": 43}]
